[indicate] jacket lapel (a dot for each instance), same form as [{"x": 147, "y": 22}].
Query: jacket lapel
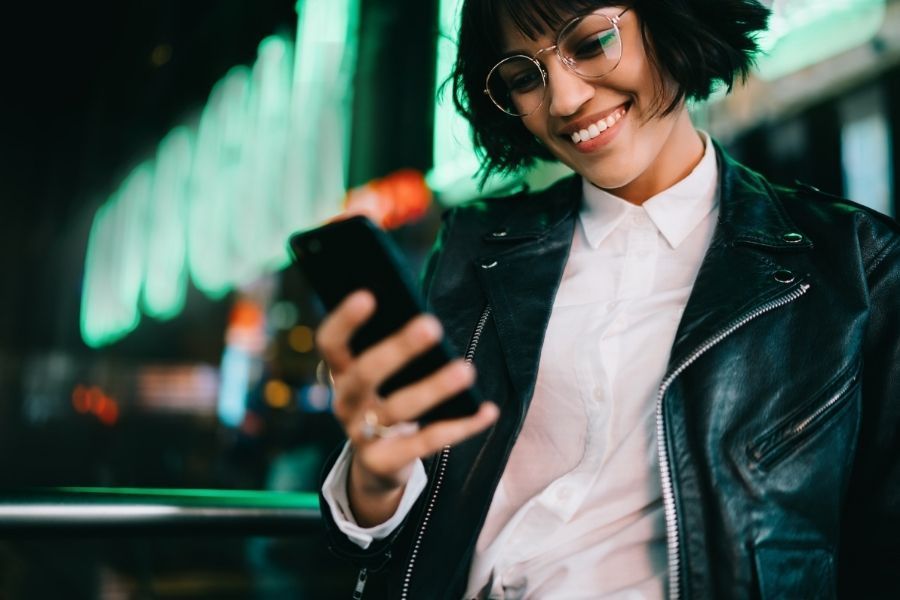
[
  {"x": 520, "y": 273},
  {"x": 741, "y": 272}
]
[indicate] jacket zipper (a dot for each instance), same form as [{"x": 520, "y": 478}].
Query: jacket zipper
[
  {"x": 802, "y": 425},
  {"x": 442, "y": 463},
  {"x": 672, "y": 532},
  {"x": 765, "y": 454}
]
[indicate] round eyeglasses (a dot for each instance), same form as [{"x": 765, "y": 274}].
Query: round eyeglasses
[{"x": 589, "y": 46}]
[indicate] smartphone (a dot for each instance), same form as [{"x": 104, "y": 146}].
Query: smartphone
[{"x": 352, "y": 254}]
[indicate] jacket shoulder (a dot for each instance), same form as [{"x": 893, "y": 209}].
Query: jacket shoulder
[
  {"x": 803, "y": 192},
  {"x": 496, "y": 210},
  {"x": 876, "y": 232}
]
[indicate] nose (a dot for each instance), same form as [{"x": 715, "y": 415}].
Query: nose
[{"x": 566, "y": 90}]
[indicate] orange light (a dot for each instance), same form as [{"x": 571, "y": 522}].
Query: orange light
[
  {"x": 391, "y": 201},
  {"x": 93, "y": 400},
  {"x": 277, "y": 394},
  {"x": 300, "y": 338},
  {"x": 80, "y": 399},
  {"x": 246, "y": 315},
  {"x": 109, "y": 415},
  {"x": 94, "y": 397}
]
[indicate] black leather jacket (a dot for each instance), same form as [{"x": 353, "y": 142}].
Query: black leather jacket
[{"x": 777, "y": 418}]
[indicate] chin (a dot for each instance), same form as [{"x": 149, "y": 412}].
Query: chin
[
  {"x": 608, "y": 175},
  {"x": 608, "y": 182}
]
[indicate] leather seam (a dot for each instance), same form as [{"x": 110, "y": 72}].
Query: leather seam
[{"x": 882, "y": 255}]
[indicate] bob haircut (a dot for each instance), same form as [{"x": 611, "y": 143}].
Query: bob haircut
[{"x": 694, "y": 44}]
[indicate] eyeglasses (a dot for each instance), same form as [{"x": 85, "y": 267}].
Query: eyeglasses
[{"x": 589, "y": 46}]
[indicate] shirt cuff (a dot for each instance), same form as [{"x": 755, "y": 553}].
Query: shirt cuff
[{"x": 334, "y": 490}]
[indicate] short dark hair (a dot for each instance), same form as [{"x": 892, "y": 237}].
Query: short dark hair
[{"x": 698, "y": 44}]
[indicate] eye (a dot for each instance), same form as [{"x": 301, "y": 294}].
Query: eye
[
  {"x": 525, "y": 81},
  {"x": 594, "y": 44}
]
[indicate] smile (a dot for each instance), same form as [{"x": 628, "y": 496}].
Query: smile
[{"x": 595, "y": 129}]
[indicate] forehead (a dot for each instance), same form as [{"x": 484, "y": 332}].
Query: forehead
[{"x": 534, "y": 19}]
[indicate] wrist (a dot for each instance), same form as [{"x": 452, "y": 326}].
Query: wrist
[
  {"x": 365, "y": 481},
  {"x": 373, "y": 499}
]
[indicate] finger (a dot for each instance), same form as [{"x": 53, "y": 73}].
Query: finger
[
  {"x": 387, "y": 356},
  {"x": 410, "y": 402},
  {"x": 442, "y": 433},
  {"x": 333, "y": 335}
]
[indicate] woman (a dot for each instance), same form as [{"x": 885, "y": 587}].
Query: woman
[{"x": 694, "y": 375}]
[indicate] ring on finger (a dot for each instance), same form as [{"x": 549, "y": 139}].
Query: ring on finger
[{"x": 372, "y": 428}]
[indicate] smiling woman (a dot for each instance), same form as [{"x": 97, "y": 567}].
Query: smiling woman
[
  {"x": 623, "y": 97},
  {"x": 693, "y": 373},
  {"x": 692, "y": 50}
]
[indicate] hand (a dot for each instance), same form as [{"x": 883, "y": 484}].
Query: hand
[{"x": 382, "y": 465}]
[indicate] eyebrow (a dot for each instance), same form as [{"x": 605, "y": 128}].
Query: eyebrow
[{"x": 598, "y": 11}]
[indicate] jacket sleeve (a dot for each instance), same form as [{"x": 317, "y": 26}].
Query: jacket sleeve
[
  {"x": 870, "y": 553},
  {"x": 437, "y": 249},
  {"x": 377, "y": 556}
]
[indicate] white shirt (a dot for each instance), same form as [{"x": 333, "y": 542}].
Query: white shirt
[{"x": 578, "y": 511}]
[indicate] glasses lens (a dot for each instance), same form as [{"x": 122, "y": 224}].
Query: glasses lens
[
  {"x": 516, "y": 85},
  {"x": 591, "y": 46}
]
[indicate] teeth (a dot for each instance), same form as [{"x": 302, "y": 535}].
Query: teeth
[{"x": 597, "y": 128}]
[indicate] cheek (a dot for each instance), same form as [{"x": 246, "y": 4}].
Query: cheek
[{"x": 536, "y": 126}]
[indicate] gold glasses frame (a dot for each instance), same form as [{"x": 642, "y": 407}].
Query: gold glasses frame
[{"x": 567, "y": 61}]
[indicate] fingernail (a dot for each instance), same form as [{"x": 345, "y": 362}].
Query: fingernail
[
  {"x": 470, "y": 373},
  {"x": 491, "y": 410},
  {"x": 431, "y": 327},
  {"x": 362, "y": 298}
]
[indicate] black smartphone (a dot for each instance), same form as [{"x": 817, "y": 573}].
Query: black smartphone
[{"x": 352, "y": 254}]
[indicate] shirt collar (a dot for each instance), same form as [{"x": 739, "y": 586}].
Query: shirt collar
[{"x": 675, "y": 211}]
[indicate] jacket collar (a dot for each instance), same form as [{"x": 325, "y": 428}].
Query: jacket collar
[
  {"x": 535, "y": 215},
  {"x": 750, "y": 213}
]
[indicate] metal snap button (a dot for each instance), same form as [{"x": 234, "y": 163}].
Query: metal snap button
[
  {"x": 489, "y": 265},
  {"x": 500, "y": 233},
  {"x": 792, "y": 238},
  {"x": 784, "y": 276}
]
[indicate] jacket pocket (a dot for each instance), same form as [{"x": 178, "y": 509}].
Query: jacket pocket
[
  {"x": 789, "y": 433},
  {"x": 795, "y": 573}
]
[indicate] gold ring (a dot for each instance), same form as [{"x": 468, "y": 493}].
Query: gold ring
[{"x": 372, "y": 428}]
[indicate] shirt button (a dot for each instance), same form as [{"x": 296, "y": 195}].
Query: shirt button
[
  {"x": 564, "y": 493},
  {"x": 598, "y": 393}
]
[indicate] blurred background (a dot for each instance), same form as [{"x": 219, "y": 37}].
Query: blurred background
[{"x": 155, "y": 156}]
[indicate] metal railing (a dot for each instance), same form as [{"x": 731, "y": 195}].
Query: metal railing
[{"x": 145, "y": 511}]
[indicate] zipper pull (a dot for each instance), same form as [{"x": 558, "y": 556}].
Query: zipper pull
[{"x": 360, "y": 584}]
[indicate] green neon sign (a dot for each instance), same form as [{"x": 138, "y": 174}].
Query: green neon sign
[
  {"x": 455, "y": 161},
  {"x": 220, "y": 197},
  {"x": 804, "y": 32}
]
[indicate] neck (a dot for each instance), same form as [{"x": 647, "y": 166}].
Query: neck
[{"x": 682, "y": 151}]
